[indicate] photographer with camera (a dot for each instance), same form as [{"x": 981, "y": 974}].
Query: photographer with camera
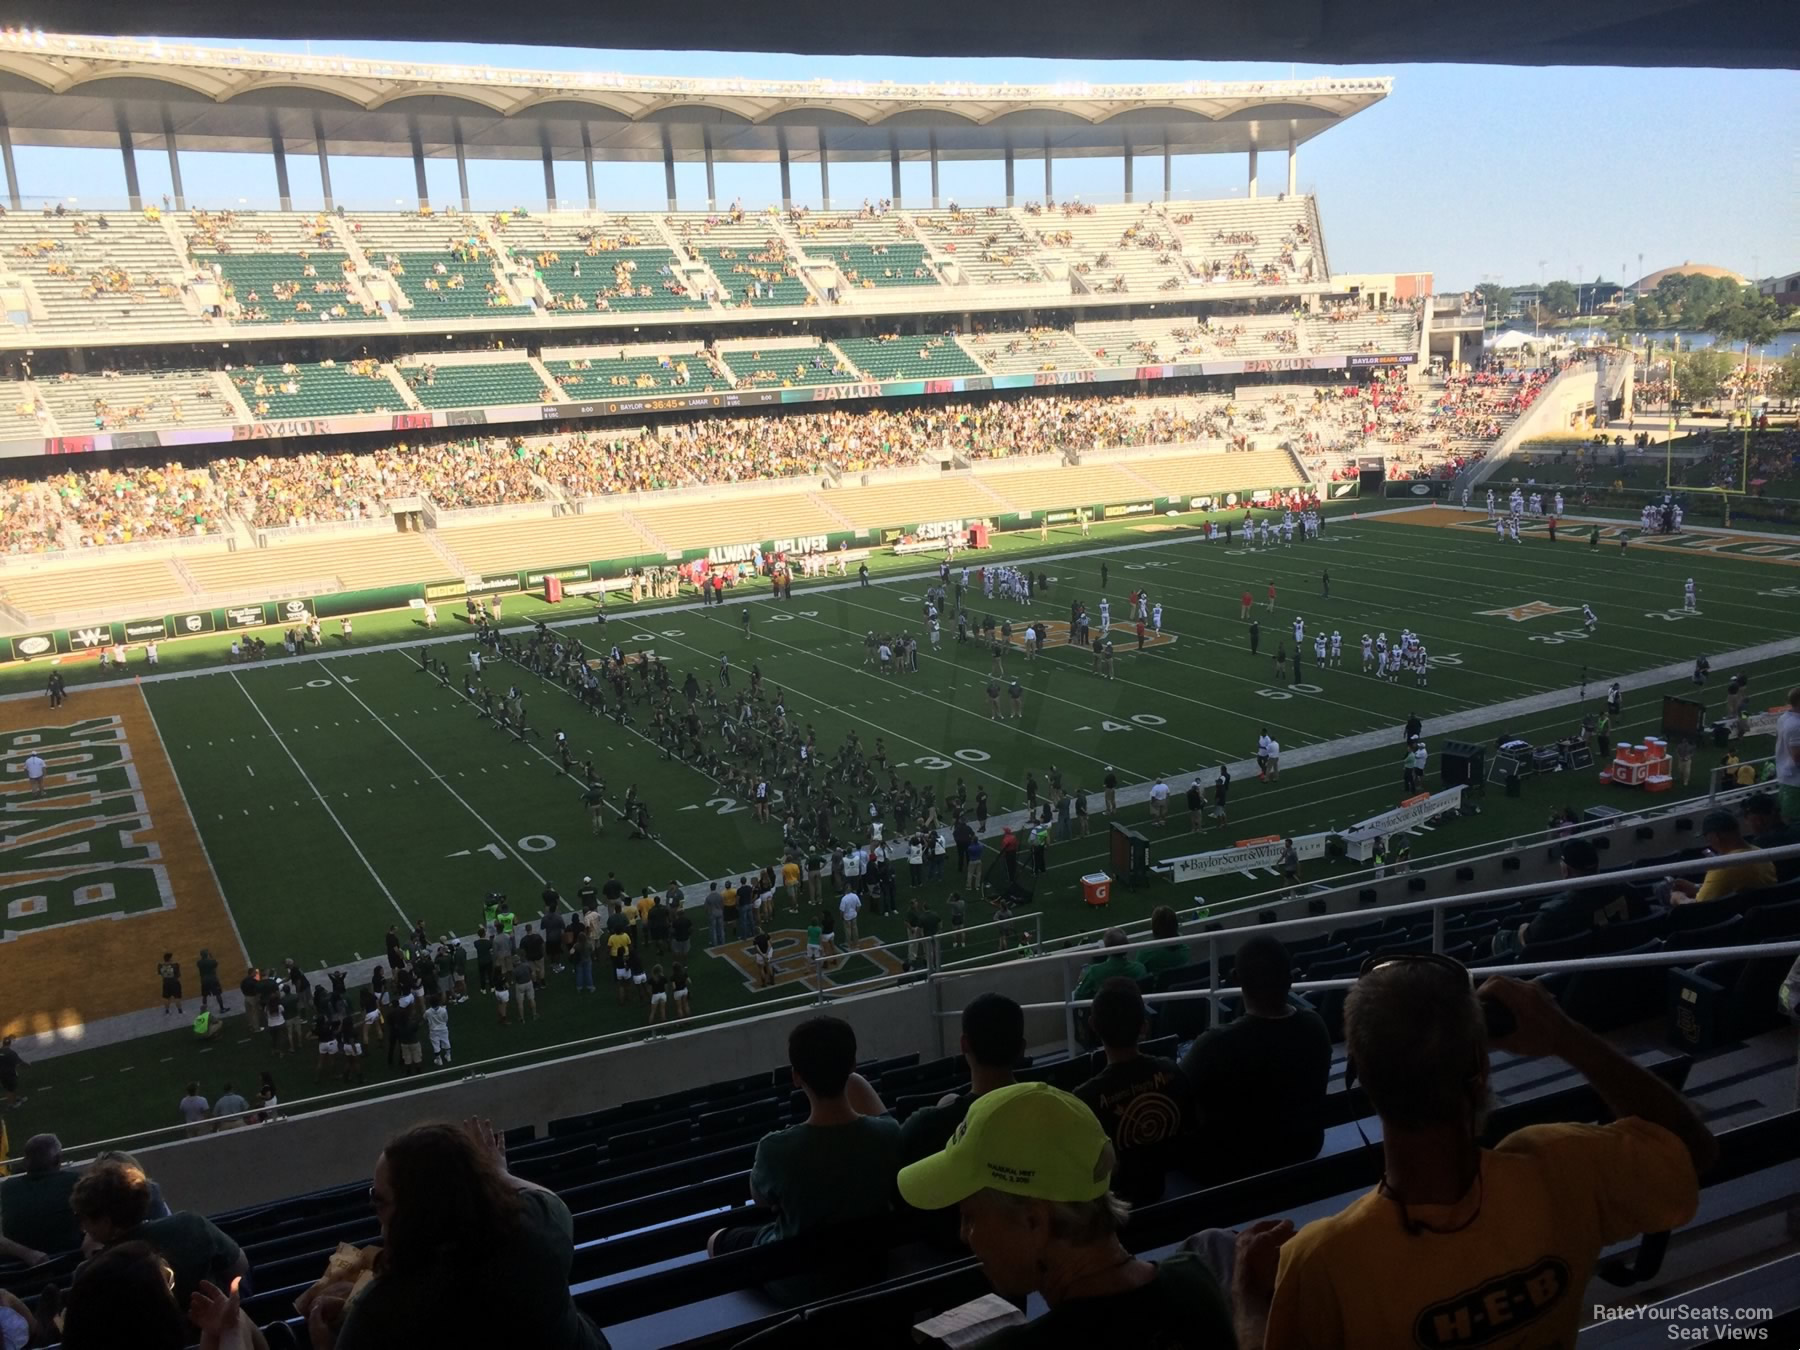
[{"x": 1456, "y": 1235}]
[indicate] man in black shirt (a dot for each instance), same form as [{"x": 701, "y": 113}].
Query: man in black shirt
[
  {"x": 993, "y": 1041},
  {"x": 1143, "y": 1102},
  {"x": 1568, "y": 914},
  {"x": 1260, "y": 1081}
]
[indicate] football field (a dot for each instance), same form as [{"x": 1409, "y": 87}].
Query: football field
[{"x": 298, "y": 808}]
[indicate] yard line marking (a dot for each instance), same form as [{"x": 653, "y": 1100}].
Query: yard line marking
[
  {"x": 249, "y": 770},
  {"x": 313, "y": 788},
  {"x": 479, "y": 818},
  {"x": 181, "y": 793},
  {"x": 544, "y": 755}
]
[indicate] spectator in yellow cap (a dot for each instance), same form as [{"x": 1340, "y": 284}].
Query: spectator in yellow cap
[{"x": 1031, "y": 1169}]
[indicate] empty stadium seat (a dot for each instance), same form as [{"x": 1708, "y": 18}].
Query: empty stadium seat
[{"x": 474, "y": 385}]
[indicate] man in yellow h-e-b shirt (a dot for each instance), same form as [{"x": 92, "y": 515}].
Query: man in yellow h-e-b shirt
[{"x": 1459, "y": 1244}]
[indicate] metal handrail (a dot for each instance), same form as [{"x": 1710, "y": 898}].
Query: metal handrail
[
  {"x": 1438, "y": 904},
  {"x": 1672, "y": 956},
  {"x": 1429, "y": 862}
]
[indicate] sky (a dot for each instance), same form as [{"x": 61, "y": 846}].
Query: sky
[{"x": 1473, "y": 173}]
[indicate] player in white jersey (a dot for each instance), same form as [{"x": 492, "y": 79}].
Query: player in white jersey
[
  {"x": 936, "y": 631},
  {"x": 1422, "y": 671},
  {"x": 1105, "y": 616},
  {"x": 1299, "y": 630},
  {"x": 1287, "y": 530},
  {"x": 1156, "y": 618},
  {"x": 1559, "y": 503},
  {"x": 1465, "y": 498},
  {"x": 1368, "y": 653},
  {"x": 1689, "y": 598},
  {"x": 1491, "y": 511},
  {"x": 1512, "y": 529},
  {"x": 1589, "y": 619},
  {"x": 1499, "y": 530},
  {"x": 1394, "y": 661},
  {"x": 1319, "y": 650},
  {"x": 1143, "y": 608},
  {"x": 1337, "y": 648}
]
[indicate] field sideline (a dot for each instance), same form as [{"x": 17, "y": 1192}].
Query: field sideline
[{"x": 340, "y": 794}]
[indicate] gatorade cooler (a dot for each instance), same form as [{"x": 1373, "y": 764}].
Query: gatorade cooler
[
  {"x": 1096, "y": 889},
  {"x": 553, "y": 592}
]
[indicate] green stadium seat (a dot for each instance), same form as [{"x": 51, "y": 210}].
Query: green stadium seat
[
  {"x": 487, "y": 384},
  {"x": 316, "y": 390},
  {"x": 621, "y": 376},
  {"x": 935, "y": 356}
]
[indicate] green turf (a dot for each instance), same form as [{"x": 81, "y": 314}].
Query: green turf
[
  {"x": 387, "y": 627},
  {"x": 336, "y": 796}
]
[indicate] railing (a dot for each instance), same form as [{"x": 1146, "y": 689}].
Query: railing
[
  {"x": 1717, "y": 787},
  {"x": 274, "y": 536},
  {"x": 1418, "y": 866},
  {"x": 446, "y": 518},
  {"x": 1670, "y": 957},
  {"x": 214, "y": 541},
  {"x": 1317, "y": 923}
]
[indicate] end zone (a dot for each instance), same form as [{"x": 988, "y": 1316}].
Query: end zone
[{"x": 102, "y": 873}]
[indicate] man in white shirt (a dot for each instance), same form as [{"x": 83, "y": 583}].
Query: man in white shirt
[
  {"x": 195, "y": 1109},
  {"x": 1274, "y": 759},
  {"x": 1787, "y": 756},
  {"x": 1159, "y": 802},
  {"x": 850, "y": 906},
  {"x": 34, "y": 774}
]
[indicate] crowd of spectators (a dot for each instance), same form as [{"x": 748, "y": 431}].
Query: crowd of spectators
[
  {"x": 1324, "y": 427},
  {"x": 314, "y": 487},
  {"x": 30, "y": 521},
  {"x": 128, "y": 505}
]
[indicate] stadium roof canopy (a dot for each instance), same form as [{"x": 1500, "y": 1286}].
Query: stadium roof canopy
[
  {"x": 86, "y": 91},
  {"x": 1747, "y": 33}
]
